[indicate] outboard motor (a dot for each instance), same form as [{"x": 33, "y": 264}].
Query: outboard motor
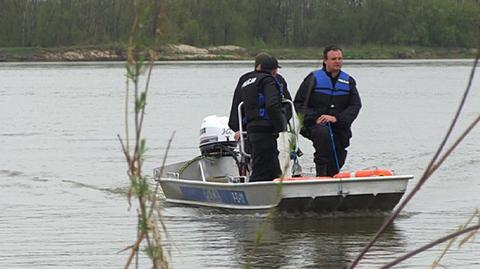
[{"x": 216, "y": 138}]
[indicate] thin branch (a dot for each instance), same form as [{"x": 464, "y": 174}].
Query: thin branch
[
  {"x": 450, "y": 150},
  {"x": 147, "y": 85},
  {"x": 132, "y": 61},
  {"x": 143, "y": 209},
  {"x": 124, "y": 148},
  {"x": 260, "y": 233},
  {"x": 157, "y": 185},
  {"x": 139, "y": 121},
  {"x": 139, "y": 161},
  {"x": 271, "y": 214},
  {"x": 127, "y": 100},
  {"x": 135, "y": 248},
  {"x": 137, "y": 130},
  {"x": 457, "y": 114},
  {"x": 148, "y": 228},
  {"x": 429, "y": 245},
  {"x": 432, "y": 167},
  {"x": 450, "y": 243}
]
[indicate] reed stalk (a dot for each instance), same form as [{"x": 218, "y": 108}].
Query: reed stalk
[{"x": 141, "y": 56}]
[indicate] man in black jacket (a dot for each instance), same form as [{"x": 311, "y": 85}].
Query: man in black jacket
[
  {"x": 329, "y": 102},
  {"x": 261, "y": 91}
]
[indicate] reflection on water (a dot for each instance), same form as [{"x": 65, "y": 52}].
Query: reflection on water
[
  {"x": 63, "y": 178},
  {"x": 288, "y": 241},
  {"x": 322, "y": 242}
]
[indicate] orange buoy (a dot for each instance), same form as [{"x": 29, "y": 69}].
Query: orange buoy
[
  {"x": 365, "y": 173},
  {"x": 344, "y": 175},
  {"x": 374, "y": 173}
]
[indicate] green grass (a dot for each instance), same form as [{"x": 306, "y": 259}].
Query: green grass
[
  {"x": 376, "y": 52},
  {"x": 20, "y": 50}
]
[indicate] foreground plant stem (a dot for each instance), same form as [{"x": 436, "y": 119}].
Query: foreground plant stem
[
  {"x": 431, "y": 244},
  {"x": 432, "y": 166},
  {"x": 148, "y": 209}
]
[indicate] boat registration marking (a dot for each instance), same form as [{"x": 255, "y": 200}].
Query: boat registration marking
[{"x": 214, "y": 196}]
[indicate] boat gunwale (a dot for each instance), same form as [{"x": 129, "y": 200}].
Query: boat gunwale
[{"x": 287, "y": 182}]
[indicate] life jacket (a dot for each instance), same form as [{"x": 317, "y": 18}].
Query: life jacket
[
  {"x": 280, "y": 87},
  {"x": 261, "y": 99},
  {"x": 324, "y": 83},
  {"x": 254, "y": 97}
]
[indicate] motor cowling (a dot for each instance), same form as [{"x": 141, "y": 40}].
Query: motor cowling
[{"x": 216, "y": 138}]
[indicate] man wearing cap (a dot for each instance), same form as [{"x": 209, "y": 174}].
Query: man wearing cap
[
  {"x": 329, "y": 102},
  {"x": 261, "y": 91}
]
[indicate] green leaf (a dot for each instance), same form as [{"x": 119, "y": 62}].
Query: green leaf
[
  {"x": 258, "y": 237},
  {"x": 142, "y": 225},
  {"x": 143, "y": 146},
  {"x": 154, "y": 252},
  {"x": 141, "y": 102},
  {"x": 143, "y": 187}
]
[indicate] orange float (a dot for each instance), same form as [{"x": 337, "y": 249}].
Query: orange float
[
  {"x": 365, "y": 173},
  {"x": 344, "y": 175},
  {"x": 374, "y": 173},
  {"x": 359, "y": 173}
]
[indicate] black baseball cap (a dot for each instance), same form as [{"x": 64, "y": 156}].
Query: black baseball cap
[{"x": 267, "y": 61}]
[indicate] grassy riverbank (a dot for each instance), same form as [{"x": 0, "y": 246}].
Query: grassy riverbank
[
  {"x": 117, "y": 52},
  {"x": 380, "y": 52}
]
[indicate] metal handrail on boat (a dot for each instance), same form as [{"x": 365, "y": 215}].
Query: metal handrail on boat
[
  {"x": 202, "y": 171},
  {"x": 242, "y": 132},
  {"x": 240, "y": 127},
  {"x": 173, "y": 174}
]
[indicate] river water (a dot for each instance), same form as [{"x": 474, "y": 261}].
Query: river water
[{"x": 63, "y": 177}]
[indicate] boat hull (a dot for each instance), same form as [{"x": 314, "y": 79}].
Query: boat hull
[{"x": 316, "y": 194}]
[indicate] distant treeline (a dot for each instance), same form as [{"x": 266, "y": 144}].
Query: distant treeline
[{"x": 257, "y": 23}]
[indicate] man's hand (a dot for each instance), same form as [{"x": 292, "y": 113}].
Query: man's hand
[
  {"x": 237, "y": 136},
  {"x": 326, "y": 119}
]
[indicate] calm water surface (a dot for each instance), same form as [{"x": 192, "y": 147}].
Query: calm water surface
[{"x": 63, "y": 180}]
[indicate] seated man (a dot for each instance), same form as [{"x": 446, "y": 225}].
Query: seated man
[{"x": 329, "y": 102}]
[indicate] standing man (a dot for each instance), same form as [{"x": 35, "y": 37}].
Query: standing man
[
  {"x": 263, "y": 116},
  {"x": 329, "y": 102}
]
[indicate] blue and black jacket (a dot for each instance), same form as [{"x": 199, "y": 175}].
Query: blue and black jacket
[
  {"x": 262, "y": 108},
  {"x": 320, "y": 93}
]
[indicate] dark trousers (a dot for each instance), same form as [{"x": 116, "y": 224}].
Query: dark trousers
[
  {"x": 265, "y": 164},
  {"x": 324, "y": 156}
]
